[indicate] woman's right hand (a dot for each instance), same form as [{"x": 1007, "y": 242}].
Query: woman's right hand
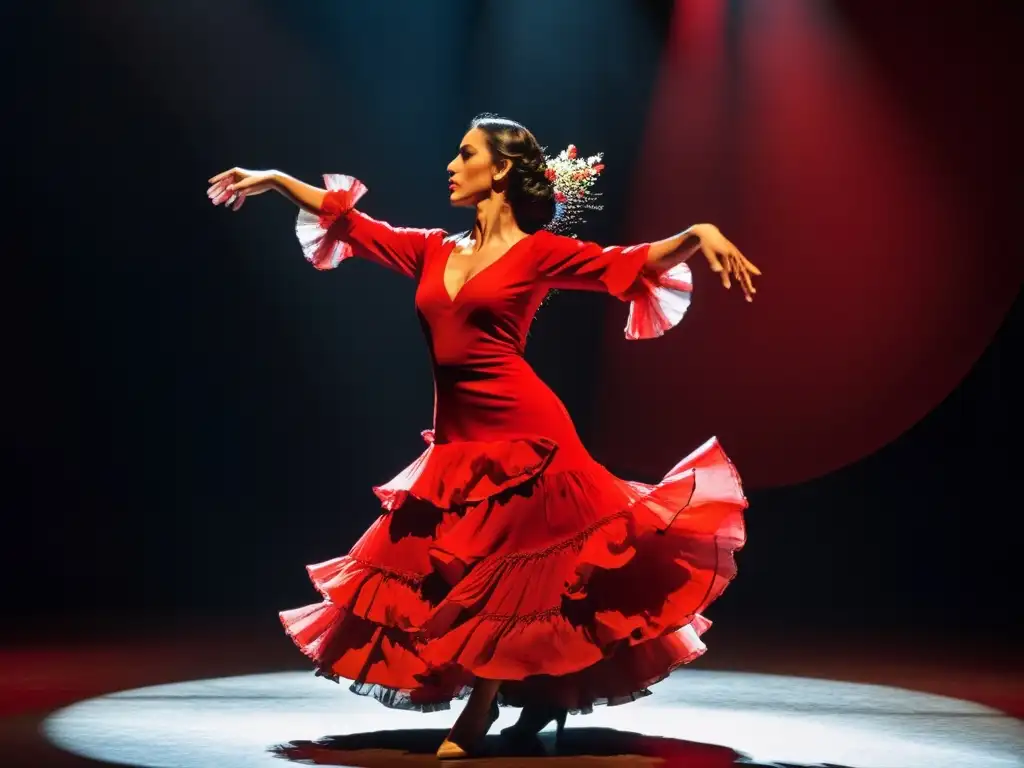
[{"x": 233, "y": 186}]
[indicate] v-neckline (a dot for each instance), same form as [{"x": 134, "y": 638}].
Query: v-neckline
[{"x": 475, "y": 275}]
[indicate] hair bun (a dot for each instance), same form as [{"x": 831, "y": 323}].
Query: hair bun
[{"x": 530, "y": 192}]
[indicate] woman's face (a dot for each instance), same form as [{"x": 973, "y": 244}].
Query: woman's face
[{"x": 471, "y": 175}]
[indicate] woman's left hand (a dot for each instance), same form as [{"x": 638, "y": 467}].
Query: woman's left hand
[{"x": 725, "y": 258}]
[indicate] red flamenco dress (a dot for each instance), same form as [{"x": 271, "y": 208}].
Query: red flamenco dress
[{"x": 505, "y": 551}]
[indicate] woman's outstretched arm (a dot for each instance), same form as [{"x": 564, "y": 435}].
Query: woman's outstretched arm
[
  {"x": 570, "y": 263},
  {"x": 232, "y": 187},
  {"x": 329, "y": 227}
]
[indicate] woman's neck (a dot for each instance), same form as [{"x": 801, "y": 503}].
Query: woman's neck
[{"x": 495, "y": 223}]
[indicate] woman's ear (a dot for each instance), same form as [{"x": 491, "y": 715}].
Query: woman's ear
[{"x": 503, "y": 168}]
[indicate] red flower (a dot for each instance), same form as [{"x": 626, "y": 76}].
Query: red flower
[
  {"x": 598, "y": 168},
  {"x": 550, "y": 174},
  {"x": 559, "y": 197},
  {"x": 572, "y": 152}
]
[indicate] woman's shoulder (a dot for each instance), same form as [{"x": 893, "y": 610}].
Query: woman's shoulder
[
  {"x": 548, "y": 243},
  {"x": 543, "y": 240}
]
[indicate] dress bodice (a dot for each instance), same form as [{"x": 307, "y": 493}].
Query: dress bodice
[{"x": 484, "y": 387}]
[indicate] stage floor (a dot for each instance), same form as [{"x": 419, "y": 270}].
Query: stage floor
[{"x": 227, "y": 699}]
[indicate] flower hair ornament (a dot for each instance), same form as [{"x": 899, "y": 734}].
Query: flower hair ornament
[
  {"x": 573, "y": 178},
  {"x": 657, "y": 302}
]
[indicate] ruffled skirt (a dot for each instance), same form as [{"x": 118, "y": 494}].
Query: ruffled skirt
[{"x": 569, "y": 585}]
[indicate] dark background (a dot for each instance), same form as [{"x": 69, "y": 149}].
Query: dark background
[{"x": 196, "y": 413}]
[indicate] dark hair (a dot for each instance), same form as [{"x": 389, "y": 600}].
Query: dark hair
[{"x": 530, "y": 193}]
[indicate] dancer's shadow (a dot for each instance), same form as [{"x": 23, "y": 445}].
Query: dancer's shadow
[{"x": 590, "y": 747}]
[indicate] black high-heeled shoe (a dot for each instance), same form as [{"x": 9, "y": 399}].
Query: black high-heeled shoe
[
  {"x": 534, "y": 719},
  {"x": 450, "y": 750}
]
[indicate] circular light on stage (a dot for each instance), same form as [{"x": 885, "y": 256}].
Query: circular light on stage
[{"x": 740, "y": 718}]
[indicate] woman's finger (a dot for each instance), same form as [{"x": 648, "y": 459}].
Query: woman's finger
[
  {"x": 238, "y": 202},
  {"x": 712, "y": 257},
  {"x": 746, "y": 279},
  {"x": 223, "y": 196},
  {"x": 218, "y": 194},
  {"x": 748, "y": 287},
  {"x": 751, "y": 290},
  {"x": 217, "y": 185},
  {"x": 749, "y": 264},
  {"x": 222, "y": 175},
  {"x": 716, "y": 265},
  {"x": 736, "y": 269}
]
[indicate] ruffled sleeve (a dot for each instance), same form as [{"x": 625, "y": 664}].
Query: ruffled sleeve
[
  {"x": 341, "y": 231},
  {"x": 657, "y": 301}
]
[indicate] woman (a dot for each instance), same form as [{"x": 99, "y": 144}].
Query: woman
[{"x": 508, "y": 565}]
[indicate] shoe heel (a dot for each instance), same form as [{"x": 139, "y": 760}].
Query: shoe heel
[{"x": 560, "y": 722}]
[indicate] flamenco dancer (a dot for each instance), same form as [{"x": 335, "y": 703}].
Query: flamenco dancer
[{"x": 507, "y": 565}]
